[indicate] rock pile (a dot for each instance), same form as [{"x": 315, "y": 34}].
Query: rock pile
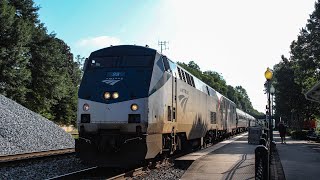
[{"x": 23, "y": 131}]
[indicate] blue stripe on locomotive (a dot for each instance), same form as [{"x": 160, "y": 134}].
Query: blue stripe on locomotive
[{"x": 131, "y": 83}]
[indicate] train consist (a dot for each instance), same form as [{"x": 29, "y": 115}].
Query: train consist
[{"x": 136, "y": 104}]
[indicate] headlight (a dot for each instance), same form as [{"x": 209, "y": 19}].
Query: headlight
[
  {"x": 134, "y": 107},
  {"x": 86, "y": 107},
  {"x": 115, "y": 95},
  {"x": 107, "y": 95}
]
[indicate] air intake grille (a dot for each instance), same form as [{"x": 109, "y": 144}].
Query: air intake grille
[{"x": 134, "y": 118}]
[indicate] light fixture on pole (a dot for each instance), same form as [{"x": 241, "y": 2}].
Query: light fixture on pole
[{"x": 268, "y": 75}]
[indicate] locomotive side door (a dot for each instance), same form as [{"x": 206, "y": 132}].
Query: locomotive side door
[
  {"x": 174, "y": 97},
  {"x": 172, "y": 68}
]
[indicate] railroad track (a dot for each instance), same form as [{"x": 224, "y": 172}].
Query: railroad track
[
  {"x": 77, "y": 174},
  {"x": 131, "y": 173},
  {"x": 107, "y": 173},
  {"x": 110, "y": 174},
  {"x": 33, "y": 155}
]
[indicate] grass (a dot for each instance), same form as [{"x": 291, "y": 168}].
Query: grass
[{"x": 75, "y": 136}]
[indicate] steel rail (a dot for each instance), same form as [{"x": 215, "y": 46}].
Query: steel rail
[
  {"x": 74, "y": 175},
  {"x": 32, "y": 155}
]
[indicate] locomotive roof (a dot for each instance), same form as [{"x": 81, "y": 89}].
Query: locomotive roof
[{"x": 124, "y": 50}]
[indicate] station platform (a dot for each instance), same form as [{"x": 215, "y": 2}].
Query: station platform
[
  {"x": 230, "y": 159},
  {"x": 300, "y": 159}
]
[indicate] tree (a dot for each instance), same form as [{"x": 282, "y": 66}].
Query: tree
[
  {"x": 15, "y": 35},
  {"x": 294, "y": 76},
  {"x": 244, "y": 99},
  {"x": 36, "y": 68}
]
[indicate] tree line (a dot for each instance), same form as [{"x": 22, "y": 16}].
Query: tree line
[
  {"x": 36, "y": 68},
  {"x": 236, "y": 94},
  {"x": 295, "y": 75}
]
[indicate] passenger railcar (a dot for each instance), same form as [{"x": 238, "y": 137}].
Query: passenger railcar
[{"x": 135, "y": 104}]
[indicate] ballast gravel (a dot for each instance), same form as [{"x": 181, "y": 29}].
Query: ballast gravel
[
  {"x": 24, "y": 131},
  {"x": 166, "y": 172},
  {"x": 42, "y": 169}
]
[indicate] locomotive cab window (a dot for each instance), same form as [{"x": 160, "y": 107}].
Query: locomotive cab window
[
  {"x": 121, "y": 61},
  {"x": 166, "y": 64}
]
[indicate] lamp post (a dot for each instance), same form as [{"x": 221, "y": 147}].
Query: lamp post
[
  {"x": 272, "y": 90},
  {"x": 268, "y": 75}
]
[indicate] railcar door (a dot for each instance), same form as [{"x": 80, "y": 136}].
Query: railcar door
[{"x": 174, "y": 97}]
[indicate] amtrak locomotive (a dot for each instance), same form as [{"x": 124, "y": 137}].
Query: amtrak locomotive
[{"x": 136, "y": 104}]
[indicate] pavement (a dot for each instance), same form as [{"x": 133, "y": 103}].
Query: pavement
[
  {"x": 300, "y": 159},
  {"x": 231, "y": 159},
  {"x": 234, "y": 159}
]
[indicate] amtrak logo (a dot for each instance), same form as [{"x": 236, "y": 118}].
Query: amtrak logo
[
  {"x": 112, "y": 81},
  {"x": 183, "y": 101}
]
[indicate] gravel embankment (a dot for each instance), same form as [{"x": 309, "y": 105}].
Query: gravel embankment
[
  {"x": 22, "y": 130},
  {"x": 42, "y": 169},
  {"x": 168, "y": 172}
]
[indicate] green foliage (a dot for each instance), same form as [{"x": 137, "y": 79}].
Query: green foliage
[
  {"x": 300, "y": 135},
  {"x": 36, "y": 68},
  {"x": 296, "y": 75},
  {"x": 15, "y": 34},
  {"x": 238, "y": 95}
]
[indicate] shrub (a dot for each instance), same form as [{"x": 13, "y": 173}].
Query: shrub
[{"x": 301, "y": 135}]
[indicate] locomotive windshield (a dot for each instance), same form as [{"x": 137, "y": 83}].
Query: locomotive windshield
[{"x": 121, "y": 61}]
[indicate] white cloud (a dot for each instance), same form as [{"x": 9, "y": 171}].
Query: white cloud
[
  {"x": 98, "y": 42},
  {"x": 87, "y": 45}
]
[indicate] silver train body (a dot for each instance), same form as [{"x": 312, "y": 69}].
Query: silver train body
[{"x": 136, "y": 104}]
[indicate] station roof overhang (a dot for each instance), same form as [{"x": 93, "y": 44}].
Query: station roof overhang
[{"x": 314, "y": 93}]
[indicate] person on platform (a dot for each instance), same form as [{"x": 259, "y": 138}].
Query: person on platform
[{"x": 282, "y": 131}]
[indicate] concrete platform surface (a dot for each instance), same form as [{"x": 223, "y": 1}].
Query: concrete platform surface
[
  {"x": 300, "y": 159},
  {"x": 196, "y": 155},
  {"x": 233, "y": 160}
]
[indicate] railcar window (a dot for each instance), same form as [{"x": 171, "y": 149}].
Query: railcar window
[
  {"x": 208, "y": 90},
  {"x": 121, "y": 61},
  {"x": 186, "y": 76},
  {"x": 192, "y": 81},
  {"x": 179, "y": 71},
  {"x": 188, "y": 79},
  {"x": 183, "y": 76}
]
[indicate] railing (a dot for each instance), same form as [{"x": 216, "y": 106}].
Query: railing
[{"x": 261, "y": 163}]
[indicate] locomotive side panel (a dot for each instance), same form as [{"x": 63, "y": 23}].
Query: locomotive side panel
[
  {"x": 160, "y": 108},
  {"x": 192, "y": 110}
]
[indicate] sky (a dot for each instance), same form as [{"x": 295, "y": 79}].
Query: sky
[{"x": 238, "y": 39}]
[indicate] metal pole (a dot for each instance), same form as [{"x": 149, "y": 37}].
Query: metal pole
[
  {"x": 272, "y": 113},
  {"x": 270, "y": 129},
  {"x": 270, "y": 118}
]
